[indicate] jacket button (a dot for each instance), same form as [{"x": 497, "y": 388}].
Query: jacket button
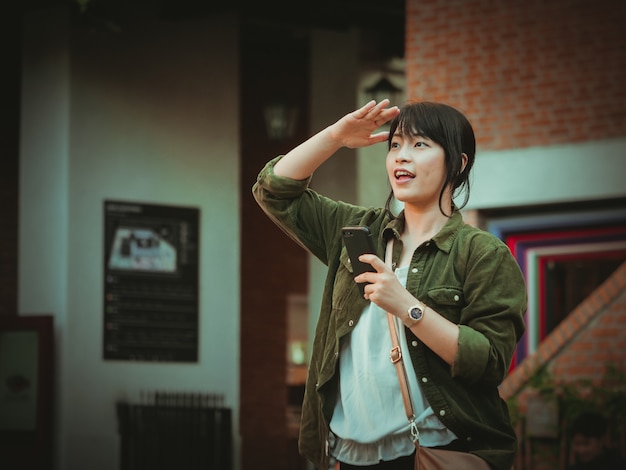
[
  {"x": 351, "y": 322},
  {"x": 442, "y": 412},
  {"x": 414, "y": 343},
  {"x": 425, "y": 379},
  {"x": 456, "y": 298}
]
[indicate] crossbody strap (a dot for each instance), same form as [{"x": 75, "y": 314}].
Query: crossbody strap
[{"x": 396, "y": 358}]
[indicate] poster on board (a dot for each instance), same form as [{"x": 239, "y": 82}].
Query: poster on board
[{"x": 150, "y": 282}]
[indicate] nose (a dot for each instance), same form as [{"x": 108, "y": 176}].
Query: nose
[{"x": 402, "y": 155}]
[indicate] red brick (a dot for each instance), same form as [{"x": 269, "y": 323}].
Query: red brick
[
  {"x": 526, "y": 62},
  {"x": 605, "y": 333},
  {"x": 580, "y": 346}
]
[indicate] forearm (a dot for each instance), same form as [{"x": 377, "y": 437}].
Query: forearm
[
  {"x": 438, "y": 333},
  {"x": 354, "y": 130},
  {"x": 303, "y": 160}
]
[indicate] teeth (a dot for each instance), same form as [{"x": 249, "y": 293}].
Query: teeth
[{"x": 400, "y": 173}]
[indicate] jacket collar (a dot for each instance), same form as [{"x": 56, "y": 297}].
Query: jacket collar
[{"x": 443, "y": 239}]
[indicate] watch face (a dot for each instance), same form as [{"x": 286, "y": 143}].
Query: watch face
[{"x": 416, "y": 313}]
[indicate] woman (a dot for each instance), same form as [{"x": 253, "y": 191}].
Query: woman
[{"x": 457, "y": 291}]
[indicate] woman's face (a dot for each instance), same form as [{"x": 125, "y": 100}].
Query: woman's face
[{"x": 416, "y": 170}]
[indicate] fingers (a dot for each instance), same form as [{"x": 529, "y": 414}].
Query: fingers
[
  {"x": 376, "y": 112},
  {"x": 380, "y": 106},
  {"x": 381, "y": 286},
  {"x": 376, "y": 263},
  {"x": 362, "y": 112},
  {"x": 383, "y": 115},
  {"x": 379, "y": 137},
  {"x": 387, "y": 114},
  {"x": 357, "y": 129},
  {"x": 374, "y": 260}
]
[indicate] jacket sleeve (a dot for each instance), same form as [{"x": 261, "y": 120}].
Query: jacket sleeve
[
  {"x": 492, "y": 321},
  {"x": 310, "y": 219}
]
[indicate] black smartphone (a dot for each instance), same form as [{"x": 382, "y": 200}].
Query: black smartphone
[{"x": 358, "y": 241}]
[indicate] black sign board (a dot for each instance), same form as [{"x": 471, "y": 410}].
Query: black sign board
[{"x": 150, "y": 282}]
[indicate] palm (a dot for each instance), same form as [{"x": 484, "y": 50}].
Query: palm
[{"x": 356, "y": 129}]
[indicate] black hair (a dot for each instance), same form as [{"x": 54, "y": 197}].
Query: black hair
[
  {"x": 589, "y": 424},
  {"x": 449, "y": 128}
]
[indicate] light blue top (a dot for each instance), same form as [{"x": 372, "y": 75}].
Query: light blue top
[{"x": 369, "y": 423}]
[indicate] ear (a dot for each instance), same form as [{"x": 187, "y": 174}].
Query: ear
[{"x": 464, "y": 160}]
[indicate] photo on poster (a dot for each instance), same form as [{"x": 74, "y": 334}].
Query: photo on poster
[{"x": 143, "y": 249}]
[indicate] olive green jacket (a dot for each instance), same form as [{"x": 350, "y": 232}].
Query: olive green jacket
[{"x": 463, "y": 273}]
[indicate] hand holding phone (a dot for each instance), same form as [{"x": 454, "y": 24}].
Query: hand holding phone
[{"x": 358, "y": 241}]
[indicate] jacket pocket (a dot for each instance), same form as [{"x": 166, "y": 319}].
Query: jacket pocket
[{"x": 448, "y": 302}]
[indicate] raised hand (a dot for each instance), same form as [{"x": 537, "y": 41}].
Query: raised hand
[
  {"x": 356, "y": 129},
  {"x": 353, "y": 130}
]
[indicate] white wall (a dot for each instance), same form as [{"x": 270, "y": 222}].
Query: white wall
[
  {"x": 570, "y": 173},
  {"x": 147, "y": 115},
  {"x": 546, "y": 175},
  {"x": 372, "y": 181}
]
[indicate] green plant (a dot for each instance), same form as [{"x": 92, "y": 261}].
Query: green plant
[{"x": 607, "y": 396}]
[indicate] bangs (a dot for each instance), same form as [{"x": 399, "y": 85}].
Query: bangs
[{"x": 419, "y": 121}]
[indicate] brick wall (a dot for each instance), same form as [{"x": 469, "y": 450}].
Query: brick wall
[
  {"x": 526, "y": 73},
  {"x": 583, "y": 344},
  {"x": 577, "y": 354}
]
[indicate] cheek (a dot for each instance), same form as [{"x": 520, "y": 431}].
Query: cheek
[
  {"x": 436, "y": 170},
  {"x": 433, "y": 172}
]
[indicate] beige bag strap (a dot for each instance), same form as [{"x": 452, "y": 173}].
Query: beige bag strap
[
  {"x": 430, "y": 459},
  {"x": 396, "y": 358}
]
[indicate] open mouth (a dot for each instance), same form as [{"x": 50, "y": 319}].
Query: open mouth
[{"x": 402, "y": 175}]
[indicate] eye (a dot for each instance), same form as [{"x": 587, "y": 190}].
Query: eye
[
  {"x": 421, "y": 144},
  {"x": 394, "y": 145}
]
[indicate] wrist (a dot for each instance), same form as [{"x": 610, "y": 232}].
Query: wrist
[
  {"x": 414, "y": 314},
  {"x": 336, "y": 137}
]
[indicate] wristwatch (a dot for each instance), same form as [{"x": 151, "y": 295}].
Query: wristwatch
[{"x": 415, "y": 313}]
